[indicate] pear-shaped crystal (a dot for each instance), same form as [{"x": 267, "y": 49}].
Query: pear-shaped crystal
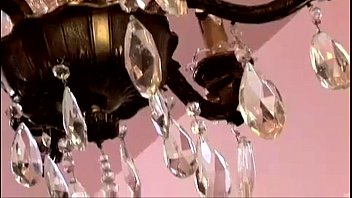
[
  {"x": 142, "y": 58},
  {"x": 57, "y": 186},
  {"x": 76, "y": 190},
  {"x": 6, "y": 26},
  {"x": 160, "y": 114},
  {"x": 179, "y": 151},
  {"x": 212, "y": 176},
  {"x": 261, "y": 104},
  {"x": 245, "y": 167},
  {"x": 330, "y": 61},
  {"x": 26, "y": 161},
  {"x": 130, "y": 171},
  {"x": 174, "y": 7},
  {"x": 74, "y": 123}
]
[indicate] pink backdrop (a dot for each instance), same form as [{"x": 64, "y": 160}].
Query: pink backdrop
[{"x": 310, "y": 158}]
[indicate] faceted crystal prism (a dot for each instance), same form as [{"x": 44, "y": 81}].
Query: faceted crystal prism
[
  {"x": 261, "y": 104},
  {"x": 245, "y": 167},
  {"x": 212, "y": 176},
  {"x": 38, "y": 6},
  {"x": 57, "y": 186},
  {"x": 130, "y": 171},
  {"x": 142, "y": 58},
  {"x": 76, "y": 190},
  {"x": 174, "y": 7},
  {"x": 160, "y": 114},
  {"x": 330, "y": 61},
  {"x": 179, "y": 152},
  {"x": 26, "y": 161},
  {"x": 74, "y": 123}
]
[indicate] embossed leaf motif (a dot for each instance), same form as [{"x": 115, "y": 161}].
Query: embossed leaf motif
[
  {"x": 142, "y": 59},
  {"x": 57, "y": 186},
  {"x": 74, "y": 123},
  {"x": 330, "y": 61},
  {"x": 26, "y": 161},
  {"x": 261, "y": 104},
  {"x": 245, "y": 167},
  {"x": 212, "y": 176}
]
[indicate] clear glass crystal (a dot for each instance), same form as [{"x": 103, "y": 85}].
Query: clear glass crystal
[
  {"x": 38, "y": 6},
  {"x": 130, "y": 171},
  {"x": 26, "y": 161},
  {"x": 174, "y": 7},
  {"x": 122, "y": 131},
  {"x": 14, "y": 111},
  {"x": 67, "y": 162},
  {"x": 179, "y": 152},
  {"x": 5, "y": 84},
  {"x": 212, "y": 176},
  {"x": 76, "y": 190},
  {"x": 261, "y": 104},
  {"x": 74, "y": 123},
  {"x": 128, "y": 5},
  {"x": 57, "y": 186},
  {"x": 193, "y": 109},
  {"x": 6, "y": 25},
  {"x": 61, "y": 72},
  {"x": 198, "y": 127},
  {"x": 330, "y": 61},
  {"x": 316, "y": 15},
  {"x": 245, "y": 167},
  {"x": 160, "y": 114},
  {"x": 142, "y": 58},
  {"x": 64, "y": 145},
  {"x": 46, "y": 140},
  {"x": 110, "y": 191}
]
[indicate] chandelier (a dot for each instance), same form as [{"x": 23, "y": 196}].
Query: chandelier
[{"x": 75, "y": 70}]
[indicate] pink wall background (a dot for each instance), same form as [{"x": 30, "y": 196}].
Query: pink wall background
[{"x": 310, "y": 158}]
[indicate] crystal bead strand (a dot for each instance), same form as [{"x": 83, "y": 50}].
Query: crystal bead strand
[
  {"x": 330, "y": 61},
  {"x": 143, "y": 65},
  {"x": 260, "y": 102},
  {"x": 73, "y": 120},
  {"x": 109, "y": 188},
  {"x": 212, "y": 175},
  {"x": 246, "y": 171},
  {"x": 75, "y": 187},
  {"x": 128, "y": 167}
]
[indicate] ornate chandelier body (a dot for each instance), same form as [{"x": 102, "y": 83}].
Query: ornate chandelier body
[{"x": 74, "y": 70}]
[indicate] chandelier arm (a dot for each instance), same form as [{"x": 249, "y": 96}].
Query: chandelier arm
[
  {"x": 16, "y": 9},
  {"x": 185, "y": 92},
  {"x": 274, "y": 10}
]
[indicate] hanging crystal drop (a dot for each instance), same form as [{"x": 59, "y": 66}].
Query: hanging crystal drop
[
  {"x": 128, "y": 5},
  {"x": 67, "y": 162},
  {"x": 160, "y": 114},
  {"x": 14, "y": 111},
  {"x": 6, "y": 27},
  {"x": 174, "y": 7},
  {"x": 142, "y": 58},
  {"x": 330, "y": 61},
  {"x": 38, "y": 6},
  {"x": 26, "y": 161},
  {"x": 260, "y": 104},
  {"x": 76, "y": 190},
  {"x": 57, "y": 186},
  {"x": 46, "y": 139},
  {"x": 245, "y": 167},
  {"x": 74, "y": 123},
  {"x": 179, "y": 152},
  {"x": 212, "y": 176},
  {"x": 130, "y": 171},
  {"x": 110, "y": 188}
]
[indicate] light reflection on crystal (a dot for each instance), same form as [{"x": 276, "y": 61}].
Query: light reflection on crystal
[
  {"x": 160, "y": 114},
  {"x": 74, "y": 123},
  {"x": 57, "y": 186},
  {"x": 212, "y": 176},
  {"x": 6, "y": 26},
  {"x": 76, "y": 189},
  {"x": 38, "y": 6},
  {"x": 142, "y": 58},
  {"x": 245, "y": 167},
  {"x": 261, "y": 104},
  {"x": 26, "y": 161},
  {"x": 330, "y": 61},
  {"x": 174, "y": 7},
  {"x": 179, "y": 152}
]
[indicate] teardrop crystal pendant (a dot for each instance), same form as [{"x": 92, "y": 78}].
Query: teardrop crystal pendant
[
  {"x": 174, "y": 7},
  {"x": 142, "y": 58},
  {"x": 109, "y": 188},
  {"x": 160, "y": 114},
  {"x": 212, "y": 176},
  {"x": 179, "y": 152},
  {"x": 130, "y": 171},
  {"x": 26, "y": 161},
  {"x": 57, "y": 186},
  {"x": 260, "y": 104},
  {"x": 76, "y": 190},
  {"x": 245, "y": 167},
  {"x": 330, "y": 61},
  {"x": 74, "y": 123}
]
